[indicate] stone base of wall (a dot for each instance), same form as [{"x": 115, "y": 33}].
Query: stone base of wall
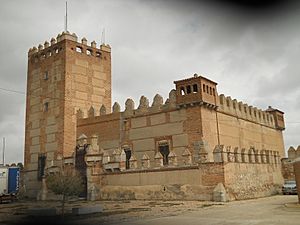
[
  {"x": 157, "y": 192},
  {"x": 264, "y": 190},
  {"x": 30, "y": 186},
  {"x": 241, "y": 181},
  {"x": 246, "y": 180}
]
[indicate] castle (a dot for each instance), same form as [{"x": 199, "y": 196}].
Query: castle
[{"x": 193, "y": 145}]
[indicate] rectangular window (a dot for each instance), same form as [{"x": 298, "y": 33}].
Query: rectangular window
[
  {"x": 78, "y": 49},
  {"x": 188, "y": 89},
  {"x": 46, "y": 75},
  {"x": 164, "y": 150},
  {"x": 46, "y": 106},
  {"x": 41, "y": 166},
  {"x": 195, "y": 88},
  {"x": 128, "y": 155}
]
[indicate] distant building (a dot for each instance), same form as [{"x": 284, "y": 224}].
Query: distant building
[{"x": 180, "y": 148}]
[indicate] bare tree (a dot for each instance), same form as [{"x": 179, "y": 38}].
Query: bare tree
[{"x": 67, "y": 183}]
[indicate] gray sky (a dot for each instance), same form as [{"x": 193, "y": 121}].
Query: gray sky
[{"x": 252, "y": 51}]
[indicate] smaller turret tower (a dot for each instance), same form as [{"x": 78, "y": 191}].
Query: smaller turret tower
[{"x": 197, "y": 89}]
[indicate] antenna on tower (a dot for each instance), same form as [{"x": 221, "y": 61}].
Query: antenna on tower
[
  {"x": 66, "y": 17},
  {"x": 103, "y": 37}
]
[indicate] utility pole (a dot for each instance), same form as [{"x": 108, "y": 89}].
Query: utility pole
[{"x": 3, "y": 151}]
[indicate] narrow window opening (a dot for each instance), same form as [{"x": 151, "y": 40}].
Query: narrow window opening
[
  {"x": 46, "y": 75},
  {"x": 89, "y": 52},
  {"x": 210, "y": 90},
  {"x": 188, "y": 89},
  {"x": 254, "y": 113},
  {"x": 195, "y": 88},
  {"x": 79, "y": 49},
  {"x": 56, "y": 50},
  {"x": 46, "y": 106},
  {"x": 128, "y": 155},
  {"x": 245, "y": 109},
  {"x": 214, "y": 93},
  {"x": 207, "y": 89},
  {"x": 227, "y": 102},
  {"x": 182, "y": 91},
  {"x": 204, "y": 87},
  {"x": 41, "y": 166},
  {"x": 164, "y": 150}
]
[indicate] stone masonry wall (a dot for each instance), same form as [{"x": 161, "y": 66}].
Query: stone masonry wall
[
  {"x": 244, "y": 181},
  {"x": 194, "y": 183},
  {"x": 63, "y": 75}
]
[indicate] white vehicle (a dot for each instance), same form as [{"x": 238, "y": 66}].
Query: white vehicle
[
  {"x": 9, "y": 183},
  {"x": 3, "y": 180}
]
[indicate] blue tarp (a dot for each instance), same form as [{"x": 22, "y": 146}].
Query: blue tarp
[{"x": 13, "y": 180}]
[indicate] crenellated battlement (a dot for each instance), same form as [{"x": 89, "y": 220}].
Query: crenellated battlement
[
  {"x": 293, "y": 153},
  {"x": 53, "y": 47},
  {"x": 244, "y": 111},
  {"x": 143, "y": 108},
  {"x": 115, "y": 160}
]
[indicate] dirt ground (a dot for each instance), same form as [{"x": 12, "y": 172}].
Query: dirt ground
[{"x": 273, "y": 210}]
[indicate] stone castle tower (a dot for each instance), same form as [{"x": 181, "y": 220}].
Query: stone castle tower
[{"x": 63, "y": 76}]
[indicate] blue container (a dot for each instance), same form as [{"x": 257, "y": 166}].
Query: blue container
[{"x": 13, "y": 180}]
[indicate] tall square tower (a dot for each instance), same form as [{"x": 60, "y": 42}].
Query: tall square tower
[{"x": 63, "y": 76}]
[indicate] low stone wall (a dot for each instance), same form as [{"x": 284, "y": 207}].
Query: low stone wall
[
  {"x": 245, "y": 181},
  {"x": 161, "y": 192},
  {"x": 297, "y": 176},
  {"x": 287, "y": 169},
  {"x": 190, "y": 183},
  {"x": 241, "y": 181}
]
